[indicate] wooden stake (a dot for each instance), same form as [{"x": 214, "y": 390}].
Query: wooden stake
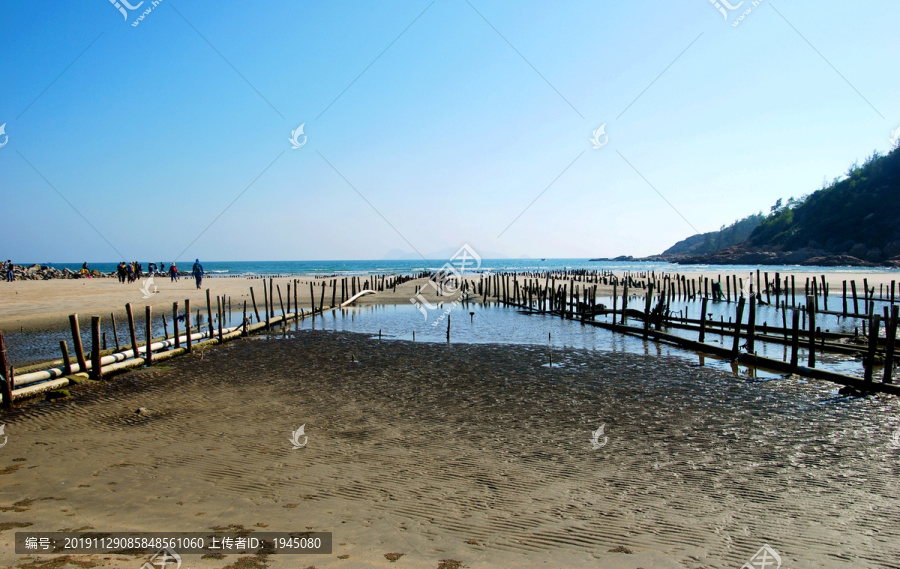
[
  {"x": 175, "y": 325},
  {"x": 736, "y": 347},
  {"x": 874, "y": 325},
  {"x": 7, "y": 384},
  {"x": 811, "y": 313},
  {"x": 255, "y": 310},
  {"x": 219, "y": 307},
  {"x": 115, "y": 332},
  {"x": 67, "y": 362},
  {"x": 148, "y": 353},
  {"x": 703, "y": 306},
  {"x": 891, "y": 330},
  {"x": 209, "y": 314},
  {"x": 96, "y": 366},
  {"x": 751, "y": 325},
  {"x": 187, "y": 323},
  {"x": 76, "y": 342},
  {"x": 795, "y": 341}
]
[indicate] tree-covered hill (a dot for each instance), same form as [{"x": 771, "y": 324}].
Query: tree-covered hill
[
  {"x": 725, "y": 237},
  {"x": 853, "y": 220}
]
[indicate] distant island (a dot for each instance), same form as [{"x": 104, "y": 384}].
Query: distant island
[{"x": 853, "y": 221}]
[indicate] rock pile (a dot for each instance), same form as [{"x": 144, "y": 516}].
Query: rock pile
[{"x": 44, "y": 273}]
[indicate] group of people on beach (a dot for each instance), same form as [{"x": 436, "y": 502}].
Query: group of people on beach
[{"x": 130, "y": 272}]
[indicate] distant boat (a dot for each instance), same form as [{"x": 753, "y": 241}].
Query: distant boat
[{"x": 543, "y": 259}]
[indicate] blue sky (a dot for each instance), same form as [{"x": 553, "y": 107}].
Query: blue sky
[{"x": 429, "y": 124}]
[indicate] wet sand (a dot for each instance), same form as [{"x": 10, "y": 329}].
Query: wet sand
[{"x": 478, "y": 454}]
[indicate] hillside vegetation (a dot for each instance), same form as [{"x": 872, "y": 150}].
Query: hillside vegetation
[{"x": 854, "y": 218}]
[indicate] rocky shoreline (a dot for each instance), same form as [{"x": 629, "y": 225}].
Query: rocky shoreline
[
  {"x": 743, "y": 256},
  {"x": 45, "y": 272}
]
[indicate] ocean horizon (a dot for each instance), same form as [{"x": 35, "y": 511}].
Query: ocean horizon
[{"x": 406, "y": 266}]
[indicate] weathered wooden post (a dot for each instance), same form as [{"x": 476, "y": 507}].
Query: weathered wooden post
[
  {"x": 624, "y": 299},
  {"x": 212, "y": 331},
  {"x": 281, "y": 304},
  {"x": 736, "y": 346},
  {"x": 255, "y": 310},
  {"x": 67, "y": 362},
  {"x": 795, "y": 341},
  {"x": 219, "y": 312},
  {"x": 811, "y": 312},
  {"x": 891, "y": 330},
  {"x": 855, "y": 298},
  {"x": 271, "y": 299},
  {"x": 112, "y": 318},
  {"x": 165, "y": 326},
  {"x": 647, "y": 301},
  {"x": 148, "y": 358},
  {"x": 751, "y": 326},
  {"x": 874, "y": 326},
  {"x": 175, "y": 325},
  {"x": 703, "y": 306},
  {"x": 76, "y": 342},
  {"x": 7, "y": 383},
  {"x": 244, "y": 321},
  {"x": 187, "y": 323},
  {"x": 448, "y": 327},
  {"x": 96, "y": 367}
]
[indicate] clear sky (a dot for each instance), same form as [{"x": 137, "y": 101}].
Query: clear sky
[{"x": 428, "y": 124}]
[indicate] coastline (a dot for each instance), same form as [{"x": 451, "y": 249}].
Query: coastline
[{"x": 45, "y": 305}]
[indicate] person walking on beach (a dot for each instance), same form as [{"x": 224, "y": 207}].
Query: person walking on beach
[
  {"x": 197, "y": 271},
  {"x": 129, "y": 270},
  {"x": 120, "y": 272},
  {"x": 10, "y": 273},
  {"x": 173, "y": 272}
]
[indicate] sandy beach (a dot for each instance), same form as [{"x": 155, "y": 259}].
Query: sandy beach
[
  {"x": 47, "y": 304},
  {"x": 460, "y": 456}
]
